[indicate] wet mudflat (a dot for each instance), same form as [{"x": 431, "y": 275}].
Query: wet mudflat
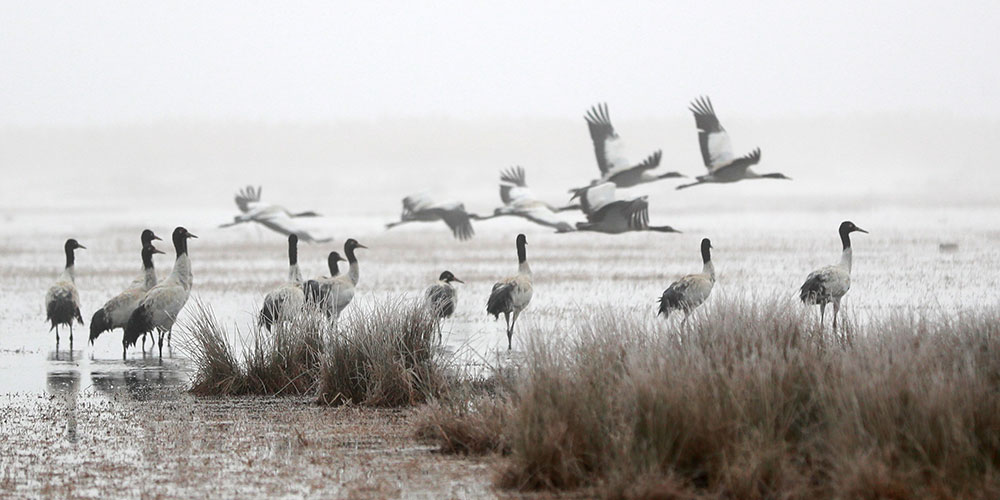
[{"x": 147, "y": 440}]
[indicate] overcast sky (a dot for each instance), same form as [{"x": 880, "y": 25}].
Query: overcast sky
[{"x": 112, "y": 62}]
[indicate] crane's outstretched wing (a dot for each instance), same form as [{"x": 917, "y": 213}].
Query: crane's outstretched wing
[
  {"x": 634, "y": 211},
  {"x": 246, "y": 196},
  {"x": 652, "y": 161},
  {"x": 281, "y": 222},
  {"x": 596, "y": 197},
  {"x": 513, "y": 185},
  {"x": 542, "y": 215},
  {"x": 417, "y": 202},
  {"x": 716, "y": 149},
  {"x": 458, "y": 220},
  {"x": 608, "y": 147},
  {"x": 739, "y": 166}
]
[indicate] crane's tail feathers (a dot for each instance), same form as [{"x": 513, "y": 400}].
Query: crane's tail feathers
[
  {"x": 99, "y": 323},
  {"x": 139, "y": 322},
  {"x": 501, "y": 300},
  {"x": 268, "y": 314},
  {"x": 813, "y": 289}
]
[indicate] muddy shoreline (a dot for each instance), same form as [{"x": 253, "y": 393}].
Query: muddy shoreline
[{"x": 165, "y": 443}]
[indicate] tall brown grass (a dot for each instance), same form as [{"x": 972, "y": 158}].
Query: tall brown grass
[
  {"x": 386, "y": 356},
  {"x": 752, "y": 400},
  {"x": 283, "y": 361}
]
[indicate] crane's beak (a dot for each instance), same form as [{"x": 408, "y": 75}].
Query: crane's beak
[
  {"x": 80, "y": 246},
  {"x": 361, "y": 246},
  {"x": 856, "y": 228},
  {"x": 458, "y": 280},
  {"x": 155, "y": 237},
  {"x": 192, "y": 235}
]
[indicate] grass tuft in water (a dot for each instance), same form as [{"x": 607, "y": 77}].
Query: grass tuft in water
[
  {"x": 386, "y": 355},
  {"x": 283, "y": 361}
]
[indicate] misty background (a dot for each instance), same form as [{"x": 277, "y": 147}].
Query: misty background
[{"x": 346, "y": 108}]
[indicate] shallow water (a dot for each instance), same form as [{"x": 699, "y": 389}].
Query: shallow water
[{"x": 898, "y": 267}]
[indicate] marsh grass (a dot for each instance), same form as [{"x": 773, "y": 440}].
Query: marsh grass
[
  {"x": 283, "y": 361},
  {"x": 749, "y": 400},
  {"x": 386, "y": 355},
  {"x": 470, "y": 417}
]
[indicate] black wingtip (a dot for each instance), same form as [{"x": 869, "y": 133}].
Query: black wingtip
[
  {"x": 702, "y": 105},
  {"x": 514, "y": 175},
  {"x": 598, "y": 114}
]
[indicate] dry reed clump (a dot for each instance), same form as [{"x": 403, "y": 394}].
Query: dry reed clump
[
  {"x": 284, "y": 361},
  {"x": 752, "y": 400},
  {"x": 385, "y": 356},
  {"x": 471, "y": 416}
]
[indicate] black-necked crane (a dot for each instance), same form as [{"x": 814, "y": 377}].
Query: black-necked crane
[
  {"x": 274, "y": 217},
  {"x": 717, "y": 150},
  {"x": 285, "y": 301},
  {"x": 116, "y": 312},
  {"x": 160, "y": 306},
  {"x": 606, "y": 214},
  {"x": 334, "y": 293},
  {"x": 520, "y": 201},
  {"x": 442, "y": 296},
  {"x": 689, "y": 292},
  {"x": 610, "y": 152},
  {"x": 512, "y": 294},
  {"x": 62, "y": 302},
  {"x": 831, "y": 283},
  {"x": 423, "y": 208}
]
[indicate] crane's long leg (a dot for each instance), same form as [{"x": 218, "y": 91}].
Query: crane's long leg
[
  {"x": 57, "y": 338},
  {"x": 71, "y": 335},
  {"x": 836, "y": 309},
  {"x": 160, "y": 344},
  {"x": 822, "y": 313},
  {"x": 506, "y": 318},
  {"x": 512, "y": 323}
]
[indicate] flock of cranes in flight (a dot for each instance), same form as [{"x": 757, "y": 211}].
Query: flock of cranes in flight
[
  {"x": 149, "y": 306},
  {"x": 599, "y": 203}
]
